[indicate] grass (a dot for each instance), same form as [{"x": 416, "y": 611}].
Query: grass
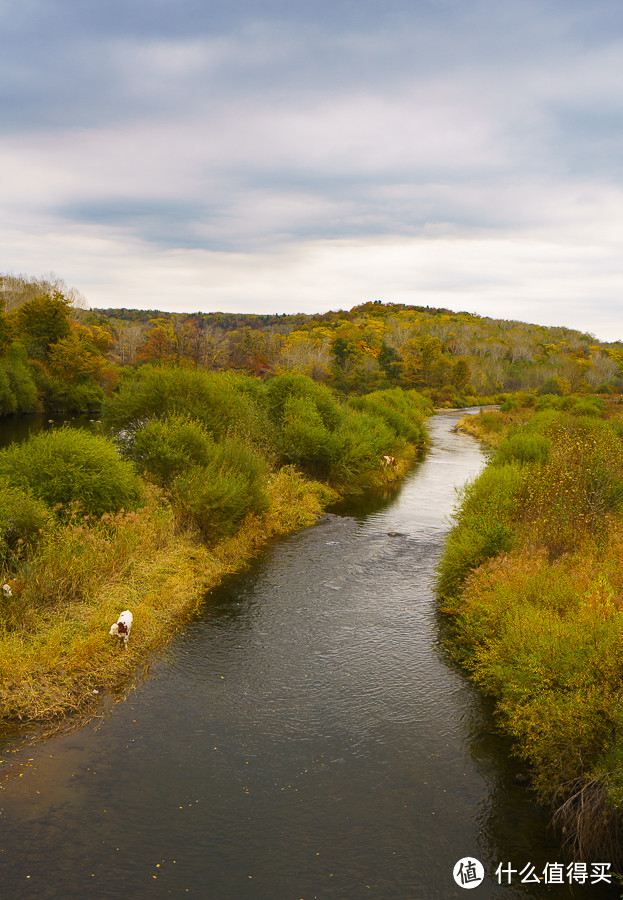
[
  {"x": 532, "y": 586},
  {"x": 55, "y": 651}
]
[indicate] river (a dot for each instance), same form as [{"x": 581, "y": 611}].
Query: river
[{"x": 303, "y": 738}]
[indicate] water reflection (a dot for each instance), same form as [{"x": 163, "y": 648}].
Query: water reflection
[{"x": 19, "y": 428}]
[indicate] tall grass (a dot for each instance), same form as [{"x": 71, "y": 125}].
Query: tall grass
[
  {"x": 532, "y": 577},
  {"x": 23, "y": 521}
]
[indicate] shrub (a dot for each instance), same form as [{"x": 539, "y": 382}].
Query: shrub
[
  {"x": 215, "y": 498},
  {"x": 287, "y": 388},
  {"x": 399, "y": 410},
  {"x": 68, "y": 466},
  {"x": 88, "y": 396},
  {"x": 569, "y": 499},
  {"x": 8, "y": 401},
  {"x": 165, "y": 448},
  {"x": 523, "y": 447},
  {"x": 485, "y": 526},
  {"x": 20, "y": 378},
  {"x": 584, "y": 406},
  {"x": 225, "y": 404},
  {"x": 305, "y": 440},
  {"x": 359, "y": 445},
  {"x": 556, "y": 386},
  {"x": 23, "y": 519}
]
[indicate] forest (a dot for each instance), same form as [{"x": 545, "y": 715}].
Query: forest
[{"x": 57, "y": 354}]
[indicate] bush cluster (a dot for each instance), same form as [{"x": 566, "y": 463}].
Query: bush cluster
[
  {"x": 169, "y": 417},
  {"x": 69, "y": 468}
]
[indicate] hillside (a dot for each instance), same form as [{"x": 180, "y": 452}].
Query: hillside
[{"x": 55, "y": 353}]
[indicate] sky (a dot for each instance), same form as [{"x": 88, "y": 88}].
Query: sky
[{"x": 282, "y": 156}]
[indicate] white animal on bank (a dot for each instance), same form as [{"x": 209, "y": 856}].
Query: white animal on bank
[
  {"x": 121, "y": 628},
  {"x": 388, "y": 461}
]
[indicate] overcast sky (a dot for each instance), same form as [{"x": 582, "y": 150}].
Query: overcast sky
[{"x": 281, "y": 156}]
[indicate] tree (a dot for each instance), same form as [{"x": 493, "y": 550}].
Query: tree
[
  {"x": 160, "y": 344},
  {"x": 42, "y": 322},
  {"x": 390, "y": 362},
  {"x": 461, "y": 374},
  {"x": 73, "y": 360},
  {"x": 6, "y": 333}
]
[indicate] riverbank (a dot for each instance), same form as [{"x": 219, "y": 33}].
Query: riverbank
[
  {"x": 200, "y": 470},
  {"x": 532, "y": 590},
  {"x": 61, "y": 662}
]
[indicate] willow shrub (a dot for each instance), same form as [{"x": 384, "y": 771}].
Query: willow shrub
[
  {"x": 304, "y": 439},
  {"x": 402, "y": 411},
  {"x": 523, "y": 447},
  {"x": 343, "y": 443},
  {"x": 23, "y": 521},
  {"x": 8, "y": 402},
  {"x": 485, "y": 525},
  {"x": 166, "y": 448},
  {"x": 214, "y": 498},
  {"x": 284, "y": 390},
  {"x": 359, "y": 445},
  {"x": 224, "y": 403},
  {"x": 18, "y": 391},
  {"x": 69, "y": 467}
]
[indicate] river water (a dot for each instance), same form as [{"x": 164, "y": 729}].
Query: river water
[{"x": 303, "y": 738}]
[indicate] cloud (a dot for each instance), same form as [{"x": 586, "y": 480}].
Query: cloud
[{"x": 353, "y": 146}]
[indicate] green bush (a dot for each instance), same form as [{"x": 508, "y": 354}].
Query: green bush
[
  {"x": 584, "y": 406},
  {"x": 359, "y": 445},
  {"x": 23, "y": 519},
  {"x": 398, "y": 409},
  {"x": 554, "y": 386},
  {"x": 21, "y": 381},
  {"x": 68, "y": 466},
  {"x": 8, "y": 400},
  {"x": 215, "y": 498},
  {"x": 304, "y": 439},
  {"x": 522, "y": 447},
  {"x": 165, "y": 448},
  {"x": 88, "y": 396},
  {"x": 485, "y": 526},
  {"x": 225, "y": 404},
  {"x": 286, "y": 388}
]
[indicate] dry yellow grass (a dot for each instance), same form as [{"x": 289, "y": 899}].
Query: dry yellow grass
[{"x": 60, "y": 660}]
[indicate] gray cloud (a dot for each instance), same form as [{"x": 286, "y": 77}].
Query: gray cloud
[{"x": 283, "y": 129}]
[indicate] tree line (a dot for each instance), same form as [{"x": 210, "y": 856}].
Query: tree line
[{"x": 54, "y": 352}]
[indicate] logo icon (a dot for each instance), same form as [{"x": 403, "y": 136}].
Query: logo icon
[{"x": 469, "y": 872}]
